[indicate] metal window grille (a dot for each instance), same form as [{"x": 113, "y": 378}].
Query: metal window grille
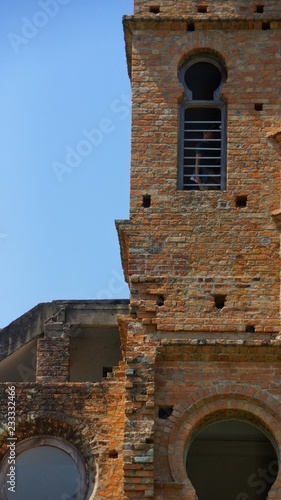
[
  {"x": 207, "y": 151},
  {"x": 202, "y": 158}
]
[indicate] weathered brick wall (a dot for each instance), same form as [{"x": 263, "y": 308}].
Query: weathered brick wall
[
  {"x": 215, "y": 8},
  {"x": 139, "y": 413},
  {"x": 200, "y": 242},
  {"x": 90, "y": 416},
  {"x": 87, "y": 415},
  {"x": 206, "y": 382},
  {"x": 189, "y": 246},
  {"x": 52, "y": 360}
]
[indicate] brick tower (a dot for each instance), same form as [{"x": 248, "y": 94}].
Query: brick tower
[{"x": 200, "y": 251}]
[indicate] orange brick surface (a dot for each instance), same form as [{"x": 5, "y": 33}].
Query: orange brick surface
[{"x": 189, "y": 246}]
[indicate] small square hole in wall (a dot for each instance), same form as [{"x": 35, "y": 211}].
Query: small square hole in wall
[
  {"x": 259, "y": 9},
  {"x": 250, "y": 329},
  {"x": 219, "y": 301},
  {"x": 190, "y": 27},
  {"x": 202, "y": 9},
  {"x": 146, "y": 201},
  {"x": 160, "y": 301},
  {"x": 241, "y": 201},
  {"x": 265, "y": 26},
  {"x": 258, "y": 106},
  {"x": 113, "y": 454},
  {"x": 165, "y": 412},
  {"x": 154, "y": 9}
]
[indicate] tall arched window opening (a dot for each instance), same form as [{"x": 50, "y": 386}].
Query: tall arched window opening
[{"x": 202, "y": 144}]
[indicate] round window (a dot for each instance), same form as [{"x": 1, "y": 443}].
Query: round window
[{"x": 45, "y": 468}]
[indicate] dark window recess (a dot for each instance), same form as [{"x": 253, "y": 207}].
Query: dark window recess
[
  {"x": 146, "y": 201},
  {"x": 202, "y": 9},
  {"x": 165, "y": 412},
  {"x": 259, "y": 9},
  {"x": 226, "y": 455},
  {"x": 106, "y": 370},
  {"x": 250, "y": 329},
  {"x": 202, "y": 78},
  {"x": 219, "y": 301},
  {"x": 258, "y": 106},
  {"x": 160, "y": 300},
  {"x": 113, "y": 454},
  {"x": 190, "y": 27},
  {"x": 241, "y": 201},
  {"x": 265, "y": 26},
  {"x": 154, "y": 9}
]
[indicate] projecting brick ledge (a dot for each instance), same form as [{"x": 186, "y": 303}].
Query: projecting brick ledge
[
  {"x": 220, "y": 342},
  {"x": 275, "y": 134},
  {"x": 276, "y": 215}
]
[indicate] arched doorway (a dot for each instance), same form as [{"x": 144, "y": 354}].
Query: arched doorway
[{"x": 231, "y": 459}]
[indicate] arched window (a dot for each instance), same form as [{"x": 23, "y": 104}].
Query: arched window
[
  {"x": 43, "y": 467},
  {"x": 232, "y": 459},
  {"x": 202, "y": 144}
]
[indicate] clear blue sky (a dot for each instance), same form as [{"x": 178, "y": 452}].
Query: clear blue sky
[{"x": 65, "y": 151}]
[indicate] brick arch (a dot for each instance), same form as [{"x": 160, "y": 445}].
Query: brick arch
[
  {"x": 208, "y": 51},
  {"x": 193, "y": 413},
  {"x": 80, "y": 485},
  {"x": 199, "y": 51},
  {"x": 55, "y": 425},
  {"x": 243, "y": 391},
  {"x": 180, "y": 51},
  {"x": 50, "y": 424}
]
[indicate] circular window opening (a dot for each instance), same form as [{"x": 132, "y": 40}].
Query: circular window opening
[
  {"x": 231, "y": 459},
  {"x": 45, "y": 468}
]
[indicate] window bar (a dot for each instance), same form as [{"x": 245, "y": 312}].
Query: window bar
[{"x": 192, "y": 138}]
